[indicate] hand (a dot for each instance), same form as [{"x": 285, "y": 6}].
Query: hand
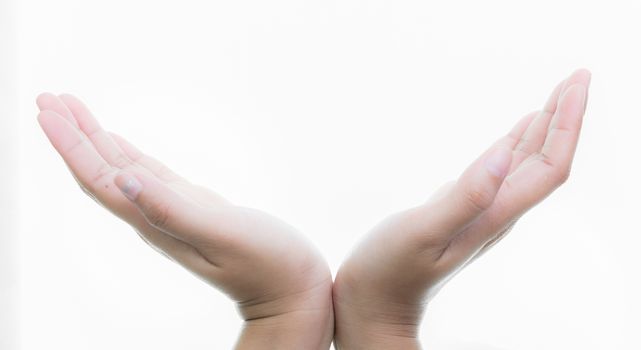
[
  {"x": 381, "y": 290},
  {"x": 280, "y": 283}
]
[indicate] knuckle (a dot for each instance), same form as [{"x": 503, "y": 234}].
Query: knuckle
[
  {"x": 121, "y": 161},
  {"x": 104, "y": 170},
  {"x": 562, "y": 174},
  {"x": 158, "y": 214},
  {"x": 164, "y": 173},
  {"x": 523, "y": 146},
  {"x": 546, "y": 160},
  {"x": 559, "y": 172},
  {"x": 478, "y": 198}
]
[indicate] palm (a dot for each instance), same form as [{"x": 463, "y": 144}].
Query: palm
[
  {"x": 409, "y": 256},
  {"x": 248, "y": 254}
]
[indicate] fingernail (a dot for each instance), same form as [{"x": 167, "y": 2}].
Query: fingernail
[
  {"x": 498, "y": 162},
  {"x": 128, "y": 185}
]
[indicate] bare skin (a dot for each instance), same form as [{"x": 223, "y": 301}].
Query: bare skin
[
  {"x": 381, "y": 290},
  {"x": 281, "y": 284}
]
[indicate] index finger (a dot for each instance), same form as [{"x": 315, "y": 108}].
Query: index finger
[{"x": 91, "y": 170}]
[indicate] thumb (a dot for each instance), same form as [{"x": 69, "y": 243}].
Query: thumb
[
  {"x": 472, "y": 194},
  {"x": 165, "y": 209}
]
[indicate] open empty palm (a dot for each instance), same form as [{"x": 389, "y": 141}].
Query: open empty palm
[
  {"x": 382, "y": 288},
  {"x": 260, "y": 262},
  {"x": 271, "y": 271}
]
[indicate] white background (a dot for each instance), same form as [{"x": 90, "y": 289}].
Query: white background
[
  {"x": 8, "y": 195},
  {"x": 330, "y": 115}
]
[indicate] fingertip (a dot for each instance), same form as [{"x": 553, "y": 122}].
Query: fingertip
[
  {"x": 72, "y": 101},
  {"x": 521, "y": 126},
  {"x": 574, "y": 92},
  {"x": 46, "y": 116},
  {"x": 42, "y": 95},
  {"x": 580, "y": 76},
  {"x": 69, "y": 100},
  {"x": 573, "y": 102},
  {"x": 45, "y": 100},
  {"x": 58, "y": 130},
  {"x": 586, "y": 76},
  {"x": 526, "y": 120},
  {"x": 67, "y": 97},
  {"x": 584, "y": 72}
]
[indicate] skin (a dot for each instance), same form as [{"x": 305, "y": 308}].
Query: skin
[
  {"x": 279, "y": 281},
  {"x": 282, "y": 286},
  {"x": 381, "y": 290}
]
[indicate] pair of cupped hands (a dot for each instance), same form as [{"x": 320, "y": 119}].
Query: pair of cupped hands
[{"x": 282, "y": 286}]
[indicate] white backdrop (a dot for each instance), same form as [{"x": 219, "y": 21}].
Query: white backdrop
[
  {"x": 8, "y": 195},
  {"x": 330, "y": 115}
]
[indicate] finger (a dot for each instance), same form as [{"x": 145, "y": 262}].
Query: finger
[
  {"x": 536, "y": 134},
  {"x": 154, "y": 166},
  {"x": 470, "y": 239},
  {"x": 201, "y": 195},
  {"x": 581, "y": 77},
  {"x": 477, "y": 250},
  {"x": 93, "y": 173},
  {"x": 102, "y": 141},
  {"x": 89, "y": 168},
  {"x": 533, "y": 138},
  {"x": 165, "y": 209},
  {"x": 512, "y": 138},
  {"x": 174, "y": 249},
  {"x": 441, "y": 192},
  {"x": 547, "y": 170},
  {"x": 503, "y": 145},
  {"x": 470, "y": 196},
  {"x": 560, "y": 145},
  {"x": 536, "y": 178},
  {"x": 496, "y": 239},
  {"x": 509, "y": 141},
  {"x": 479, "y": 236},
  {"x": 49, "y": 101}
]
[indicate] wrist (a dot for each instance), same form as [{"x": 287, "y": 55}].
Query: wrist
[
  {"x": 302, "y": 320},
  {"x": 364, "y": 320},
  {"x": 356, "y": 331},
  {"x": 300, "y": 329},
  {"x": 376, "y": 342}
]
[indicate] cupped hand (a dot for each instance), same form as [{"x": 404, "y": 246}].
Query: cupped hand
[
  {"x": 381, "y": 290},
  {"x": 281, "y": 284}
]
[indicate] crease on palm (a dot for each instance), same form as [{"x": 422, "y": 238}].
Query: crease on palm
[
  {"x": 541, "y": 145},
  {"x": 241, "y": 251},
  {"x": 104, "y": 154},
  {"x": 540, "y": 163},
  {"x": 95, "y": 157},
  {"x": 463, "y": 220}
]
